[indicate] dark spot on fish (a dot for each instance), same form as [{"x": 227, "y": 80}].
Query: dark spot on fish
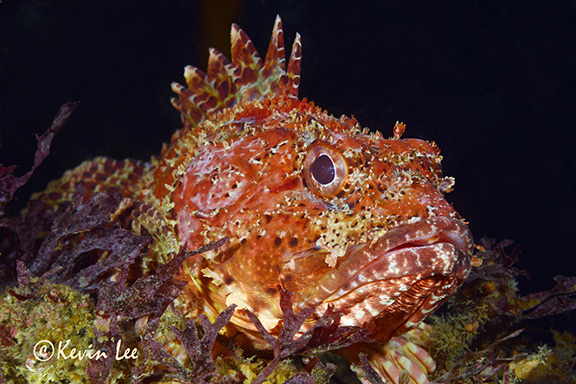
[
  {"x": 277, "y": 241},
  {"x": 271, "y": 291},
  {"x": 293, "y": 242},
  {"x": 228, "y": 280},
  {"x": 243, "y": 241},
  {"x": 268, "y": 218}
]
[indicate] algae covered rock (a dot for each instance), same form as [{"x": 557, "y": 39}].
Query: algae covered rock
[{"x": 46, "y": 333}]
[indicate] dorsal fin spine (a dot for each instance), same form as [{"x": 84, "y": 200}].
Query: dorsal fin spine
[
  {"x": 294, "y": 67},
  {"x": 275, "y": 57},
  {"x": 245, "y": 77}
]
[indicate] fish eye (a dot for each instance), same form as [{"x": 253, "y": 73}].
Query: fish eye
[{"x": 325, "y": 170}]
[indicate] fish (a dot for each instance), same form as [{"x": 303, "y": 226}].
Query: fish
[{"x": 338, "y": 215}]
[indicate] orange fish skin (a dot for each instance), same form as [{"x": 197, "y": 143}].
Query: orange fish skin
[
  {"x": 255, "y": 188},
  {"x": 247, "y": 172},
  {"x": 319, "y": 205}
]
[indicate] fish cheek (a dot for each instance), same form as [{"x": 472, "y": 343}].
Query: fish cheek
[
  {"x": 189, "y": 229},
  {"x": 300, "y": 274}
]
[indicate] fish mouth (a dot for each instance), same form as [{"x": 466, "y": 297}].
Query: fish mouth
[{"x": 393, "y": 282}]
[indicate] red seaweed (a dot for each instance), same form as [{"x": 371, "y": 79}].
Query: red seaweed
[
  {"x": 199, "y": 350},
  {"x": 9, "y": 183},
  {"x": 325, "y": 335}
]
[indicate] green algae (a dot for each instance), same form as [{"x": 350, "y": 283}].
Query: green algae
[{"x": 55, "y": 317}]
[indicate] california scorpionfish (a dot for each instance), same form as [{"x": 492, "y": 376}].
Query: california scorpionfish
[{"x": 339, "y": 216}]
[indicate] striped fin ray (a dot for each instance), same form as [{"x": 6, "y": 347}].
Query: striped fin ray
[
  {"x": 130, "y": 177},
  {"x": 244, "y": 78},
  {"x": 97, "y": 176}
]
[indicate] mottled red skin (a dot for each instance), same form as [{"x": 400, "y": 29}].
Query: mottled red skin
[
  {"x": 378, "y": 242},
  {"x": 275, "y": 221}
]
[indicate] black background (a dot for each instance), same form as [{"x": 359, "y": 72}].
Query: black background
[{"x": 492, "y": 82}]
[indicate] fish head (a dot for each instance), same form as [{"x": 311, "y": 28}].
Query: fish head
[{"x": 336, "y": 215}]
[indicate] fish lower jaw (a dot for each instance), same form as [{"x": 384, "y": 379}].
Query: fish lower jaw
[
  {"x": 403, "y": 277},
  {"x": 391, "y": 307}
]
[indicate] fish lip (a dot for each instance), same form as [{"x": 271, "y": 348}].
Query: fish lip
[
  {"x": 426, "y": 237},
  {"x": 424, "y": 232}
]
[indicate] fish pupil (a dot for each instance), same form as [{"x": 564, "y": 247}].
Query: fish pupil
[{"x": 323, "y": 169}]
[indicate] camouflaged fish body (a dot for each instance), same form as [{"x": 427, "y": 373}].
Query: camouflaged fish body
[{"x": 334, "y": 213}]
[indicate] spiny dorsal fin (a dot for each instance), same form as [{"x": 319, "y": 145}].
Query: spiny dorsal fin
[{"x": 244, "y": 78}]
